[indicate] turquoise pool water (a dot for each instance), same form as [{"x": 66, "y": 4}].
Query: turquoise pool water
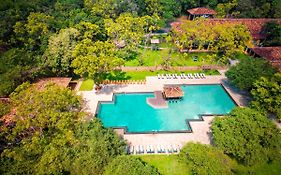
[{"x": 133, "y": 112}]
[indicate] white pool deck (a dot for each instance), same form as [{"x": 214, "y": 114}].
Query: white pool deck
[{"x": 201, "y": 129}]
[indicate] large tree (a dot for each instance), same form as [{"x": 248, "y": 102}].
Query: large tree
[
  {"x": 267, "y": 94},
  {"x": 129, "y": 29},
  {"x": 248, "y": 136},
  {"x": 58, "y": 56},
  {"x": 206, "y": 159},
  {"x": 50, "y": 137},
  {"x": 95, "y": 59},
  {"x": 247, "y": 71}
]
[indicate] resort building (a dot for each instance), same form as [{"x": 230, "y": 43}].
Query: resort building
[
  {"x": 272, "y": 54},
  {"x": 255, "y": 26},
  {"x": 200, "y": 12}
]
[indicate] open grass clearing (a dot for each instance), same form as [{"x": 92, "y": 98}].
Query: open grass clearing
[
  {"x": 87, "y": 85},
  {"x": 166, "y": 164}
]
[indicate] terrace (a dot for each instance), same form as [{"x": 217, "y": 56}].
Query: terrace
[{"x": 200, "y": 129}]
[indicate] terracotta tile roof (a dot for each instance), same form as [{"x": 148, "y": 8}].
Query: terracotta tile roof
[
  {"x": 201, "y": 11},
  {"x": 272, "y": 54},
  {"x": 60, "y": 81},
  {"x": 255, "y": 25},
  {"x": 172, "y": 92}
]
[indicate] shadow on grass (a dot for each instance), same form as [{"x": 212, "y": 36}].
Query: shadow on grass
[{"x": 118, "y": 75}]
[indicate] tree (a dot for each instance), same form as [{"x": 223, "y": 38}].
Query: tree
[
  {"x": 58, "y": 55},
  {"x": 95, "y": 59},
  {"x": 128, "y": 165},
  {"x": 35, "y": 30},
  {"x": 273, "y": 34},
  {"x": 205, "y": 159},
  {"x": 128, "y": 29},
  {"x": 50, "y": 137},
  {"x": 247, "y": 71},
  {"x": 226, "y": 38},
  {"x": 267, "y": 94},
  {"x": 248, "y": 136}
]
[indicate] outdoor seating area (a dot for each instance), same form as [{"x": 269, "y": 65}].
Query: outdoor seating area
[
  {"x": 182, "y": 76},
  {"x": 156, "y": 149},
  {"x": 124, "y": 82}
]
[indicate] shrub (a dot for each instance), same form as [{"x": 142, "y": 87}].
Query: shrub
[
  {"x": 248, "y": 136},
  {"x": 206, "y": 159}
]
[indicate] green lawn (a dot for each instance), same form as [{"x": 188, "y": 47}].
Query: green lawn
[
  {"x": 87, "y": 85},
  {"x": 264, "y": 169},
  {"x": 152, "y": 58},
  {"x": 166, "y": 164}
]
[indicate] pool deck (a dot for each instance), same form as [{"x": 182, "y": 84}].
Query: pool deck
[{"x": 201, "y": 129}]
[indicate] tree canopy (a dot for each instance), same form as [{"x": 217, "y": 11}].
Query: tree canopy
[
  {"x": 247, "y": 71},
  {"x": 248, "y": 136},
  {"x": 95, "y": 59},
  {"x": 226, "y": 38},
  {"x": 206, "y": 159},
  {"x": 49, "y": 136},
  {"x": 266, "y": 94}
]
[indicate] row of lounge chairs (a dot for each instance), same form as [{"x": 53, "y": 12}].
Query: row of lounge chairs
[
  {"x": 124, "y": 82},
  {"x": 153, "y": 149},
  {"x": 181, "y": 76}
]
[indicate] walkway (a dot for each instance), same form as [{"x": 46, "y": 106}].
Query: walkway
[
  {"x": 201, "y": 129},
  {"x": 158, "y": 101}
]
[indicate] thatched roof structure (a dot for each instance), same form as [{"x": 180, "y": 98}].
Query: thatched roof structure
[
  {"x": 201, "y": 11},
  {"x": 60, "y": 81},
  {"x": 173, "y": 92}
]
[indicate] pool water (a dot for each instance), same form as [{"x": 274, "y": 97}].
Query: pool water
[{"x": 132, "y": 111}]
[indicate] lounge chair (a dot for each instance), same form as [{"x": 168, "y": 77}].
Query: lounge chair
[
  {"x": 158, "y": 76},
  {"x": 141, "y": 149},
  {"x": 203, "y": 75},
  {"x": 190, "y": 76},
  {"x": 163, "y": 150},
  {"x": 148, "y": 150},
  {"x": 163, "y": 76},
  {"x": 137, "y": 150},
  {"x": 170, "y": 149},
  {"x": 131, "y": 149},
  {"x": 184, "y": 76},
  {"x": 159, "y": 149},
  {"x": 175, "y": 148},
  {"x": 151, "y": 149}
]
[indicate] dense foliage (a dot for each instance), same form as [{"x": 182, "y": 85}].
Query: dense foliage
[
  {"x": 206, "y": 159},
  {"x": 248, "y": 136},
  {"x": 273, "y": 34},
  {"x": 49, "y": 136},
  {"x": 5, "y": 108},
  {"x": 247, "y": 71},
  {"x": 267, "y": 94},
  {"x": 226, "y": 38},
  {"x": 129, "y": 165}
]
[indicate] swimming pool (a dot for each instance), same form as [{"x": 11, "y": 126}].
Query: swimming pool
[{"x": 132, "y": 111}]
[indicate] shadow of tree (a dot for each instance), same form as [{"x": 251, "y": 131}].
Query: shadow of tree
[{"x": 118, "y": 75}]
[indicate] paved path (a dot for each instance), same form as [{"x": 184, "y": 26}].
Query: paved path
[{"x": 200, "y": 129}]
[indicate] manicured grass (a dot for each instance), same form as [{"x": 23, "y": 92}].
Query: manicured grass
[
  {"x": 87, "y": 85},
  {"x": 166, "y": 164},
  {"x": 152, "y": 58}
]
